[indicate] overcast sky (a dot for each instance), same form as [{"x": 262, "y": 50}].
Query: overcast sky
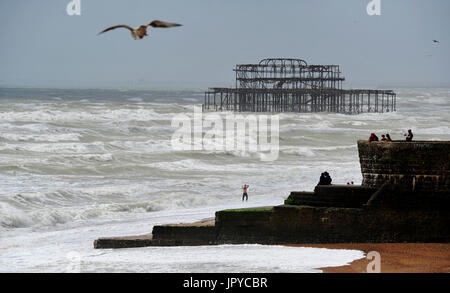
[{"x": 43, "y": 46}]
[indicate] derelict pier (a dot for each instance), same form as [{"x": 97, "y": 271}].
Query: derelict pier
[{"x": 291, "y": 85}]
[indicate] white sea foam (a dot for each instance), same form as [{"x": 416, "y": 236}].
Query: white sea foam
[
  {"x": 59, "y": 147},
  {"x": 147, "y": 146},
  {"x": 41, "y": 137},
  {"x": 314, "y": 151},
  {"x": 227, "y": 259},
  {"x": 199, "y": 165},
  {"x": 18, "y": 255},
  {"x": 299, "y": 151},
  {"x": 93, "y": 116}
]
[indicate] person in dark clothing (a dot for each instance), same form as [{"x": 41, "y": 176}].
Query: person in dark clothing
[
  {"x": 373, "y": 137},
  {"x": 325, "y": 179},
  {"x": 409, "y": 136},
  {"x": 388, "y": 137},
  {"x": 321, "y": 179},
  {"x": 383, "y": 138}
]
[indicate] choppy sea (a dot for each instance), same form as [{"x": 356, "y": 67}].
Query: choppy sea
[{"x": 76, "y": 165}]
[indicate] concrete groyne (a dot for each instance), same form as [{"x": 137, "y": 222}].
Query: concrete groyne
[
  {"x": 422, "y": 166},
  {"x": 404, "y": 197}
]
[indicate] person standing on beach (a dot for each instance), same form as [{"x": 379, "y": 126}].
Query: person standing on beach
[{"x": 244, "y": 192}]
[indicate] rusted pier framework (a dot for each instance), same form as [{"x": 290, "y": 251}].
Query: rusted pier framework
[{"x": 291, "y": 85}]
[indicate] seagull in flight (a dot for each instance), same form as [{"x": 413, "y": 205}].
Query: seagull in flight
[
  {"x": 138, "y": 33},
  {"x": 435, "y": 41}
]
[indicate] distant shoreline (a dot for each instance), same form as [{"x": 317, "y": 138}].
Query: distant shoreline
[{"x": 183, "y": 87}]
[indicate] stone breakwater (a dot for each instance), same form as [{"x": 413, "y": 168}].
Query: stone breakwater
[
  {"x": 417, "y": 166},
  {"x": 404, "y": 197}
]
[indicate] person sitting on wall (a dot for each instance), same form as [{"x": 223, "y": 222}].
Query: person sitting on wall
[
  {"x": 383, "y": 138},
  {"x": 321, "y": 179},
  {"x": 373, "y": 137},
  {"x": 388, "y": 138},
  {"x": 325, "y": 179},
  {"x": 409, "y": 135}
]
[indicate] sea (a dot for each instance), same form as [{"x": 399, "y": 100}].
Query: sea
[{"x": 79, "y": 164}]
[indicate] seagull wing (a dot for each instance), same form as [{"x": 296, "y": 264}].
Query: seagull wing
[
  {"x": 159, "y": 23},
  {"x": 116, "y": 26}
]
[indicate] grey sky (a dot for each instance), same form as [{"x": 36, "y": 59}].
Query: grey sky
[{"x": 42, "y": 46}]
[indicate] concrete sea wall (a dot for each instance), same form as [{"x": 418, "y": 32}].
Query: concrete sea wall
[
  {"x": 414, "y": 166},
  {"x": 306, "y": 224}
]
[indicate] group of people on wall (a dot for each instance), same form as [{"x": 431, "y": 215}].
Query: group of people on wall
[
  {"x": 325, "y": 178},
  {"x": 387, "y": 137}
]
